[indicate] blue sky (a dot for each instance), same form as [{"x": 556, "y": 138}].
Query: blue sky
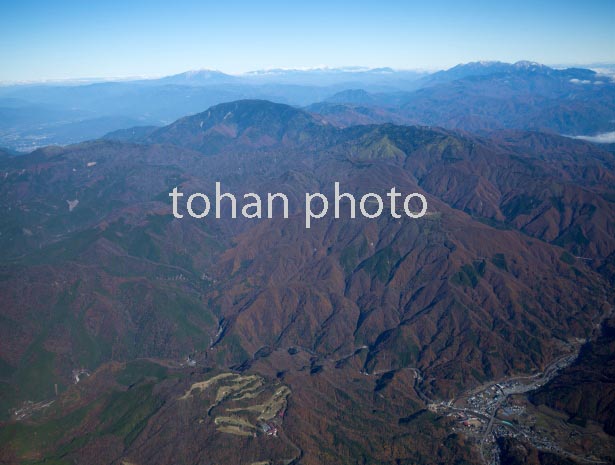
[{"x": 72, "y": 39}]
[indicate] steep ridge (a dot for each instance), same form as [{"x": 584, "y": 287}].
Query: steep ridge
[
  {"x": 245, "y": 124},
  {"x": 417, "y": 294},
  {"x": 96, "y": 270},
  {"x": 586, "y": 390}
]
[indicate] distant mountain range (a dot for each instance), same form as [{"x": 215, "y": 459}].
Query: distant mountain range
[
  {"x": 478, "y": 96},
  {"x": 490, "y": 96},
  {"x": 185, "y": 341}
]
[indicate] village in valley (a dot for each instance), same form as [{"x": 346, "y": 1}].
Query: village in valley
[{"x": 499, "y": 410}]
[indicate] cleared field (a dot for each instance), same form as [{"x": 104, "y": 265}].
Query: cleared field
[
  {"x": 244, "y": 402},
  {"x": 202, "y": 385}
]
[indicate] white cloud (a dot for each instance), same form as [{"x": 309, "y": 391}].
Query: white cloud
[
  {"x": 604, "y": 138},
  {"x": 579, "y": 81}
]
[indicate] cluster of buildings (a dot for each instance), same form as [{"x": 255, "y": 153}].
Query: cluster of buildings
[
  {"x": 177, "y": 277},
  {"x": 487, "y": 400},
  {"x": 270, "y": 429}
]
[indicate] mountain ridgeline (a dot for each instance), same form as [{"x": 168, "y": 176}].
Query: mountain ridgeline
[
  {"x": 482, "y": 97},
  {"x": 338, "y": 333},
  {"x": 477, "y": 97}
]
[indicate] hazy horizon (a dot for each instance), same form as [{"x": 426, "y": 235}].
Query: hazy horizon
[
  {"x": 70, "y": 40},
  {"x": 600, "y": 67}
]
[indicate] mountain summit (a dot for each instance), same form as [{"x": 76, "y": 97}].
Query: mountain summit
[
  {"x": 244, "y": 123},
  {"x": 198, "y": 77}
]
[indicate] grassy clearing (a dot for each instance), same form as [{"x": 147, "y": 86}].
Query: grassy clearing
[{"x": 243, "y": 401}]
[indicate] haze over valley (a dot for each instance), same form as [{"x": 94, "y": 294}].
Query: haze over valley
[{"x": 477, "y": 97}]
